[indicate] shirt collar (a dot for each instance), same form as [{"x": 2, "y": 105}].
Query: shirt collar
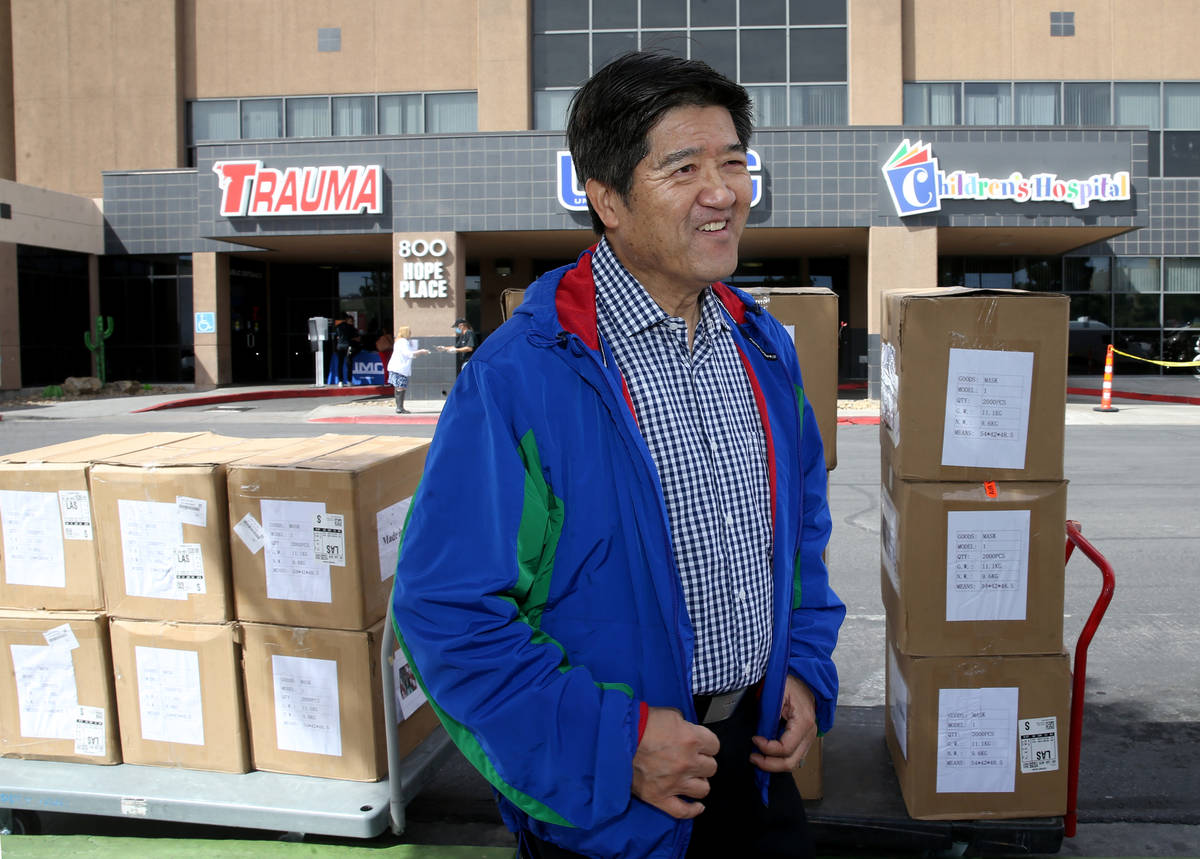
[{"x": 625, "y": 308}]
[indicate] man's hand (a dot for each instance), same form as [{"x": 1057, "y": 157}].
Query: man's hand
[
  {"x": 800, "y": 729},
  {"x": 674, "y": 759}
]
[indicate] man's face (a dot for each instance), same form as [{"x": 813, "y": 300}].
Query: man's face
[{"x": 688, "y": 205}]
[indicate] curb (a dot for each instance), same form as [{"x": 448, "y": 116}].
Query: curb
[
  {"x": 1154, "y": 398},
  {"x": 300, "y": 393}
]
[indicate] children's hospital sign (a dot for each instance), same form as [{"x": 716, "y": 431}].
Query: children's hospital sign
[{"x": 917, "y": 183}]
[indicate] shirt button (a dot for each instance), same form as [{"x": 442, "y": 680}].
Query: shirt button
[
  {"x": 742, "y": 594},
  {"x": 729, "y": 519}
]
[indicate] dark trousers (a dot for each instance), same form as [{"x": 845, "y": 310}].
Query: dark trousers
[{"x": 734, "y": 822}]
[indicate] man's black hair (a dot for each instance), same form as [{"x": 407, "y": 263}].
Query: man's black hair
[{"x": 611, "y": 115}]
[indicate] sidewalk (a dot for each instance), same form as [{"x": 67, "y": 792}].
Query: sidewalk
[{"x": 1137, "y": 399}]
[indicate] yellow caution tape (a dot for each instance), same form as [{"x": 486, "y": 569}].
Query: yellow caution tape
[{"x": 1159, "y": 363}]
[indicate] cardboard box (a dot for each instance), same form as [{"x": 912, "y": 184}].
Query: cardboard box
[
  {"x": 808, "y": 778},
  {"x": 48, "y": 556},
  {"x": 179, "y": 694},
  {"x": 163, "y": 528},
  {"x": 315, "y": 703},
  {"x": 973, "y": 384},
  {"x": 56, "y": 690},
  {"x": 316, "y": 529},
  {"x": 811, "y": 313},
  {"x": 978, "y": 737},
  {"x": 969, "y": 568},
  {"x": 510, "y": 300}
]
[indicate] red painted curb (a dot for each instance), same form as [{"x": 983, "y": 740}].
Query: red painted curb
[
  {"x": 865, "y": 420},
  {"x": 1155, "y": 398},
  {"x": 377, "y": 419},
  {"x": 215, "y": 399}
]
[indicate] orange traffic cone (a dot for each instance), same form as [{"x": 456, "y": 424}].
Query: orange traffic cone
[{"x": 1106, "y": 388}]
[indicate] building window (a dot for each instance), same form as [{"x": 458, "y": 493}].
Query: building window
[
  {"x": 451, "y": 112},
  {"x": 307, "y": 117},
  {"x": 353, "y": 115},
  {"x": 262, "y": 118},
  {"x": 769, "y": 46},
  {"x": 1035, "y": 103},
  {"x": 1086, "y": 104},
  {"x": 987, "y": 104},
  {"x": 329, "y": 39},
  {"x": 1062, "y": 23},
  {"x": 401, "y": 114},
  {"x": 931, "y": 104},
  {"x": 214, "y": 120}
]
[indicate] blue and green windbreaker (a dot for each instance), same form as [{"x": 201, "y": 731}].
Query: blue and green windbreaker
[{"x": 536, "y": 594}]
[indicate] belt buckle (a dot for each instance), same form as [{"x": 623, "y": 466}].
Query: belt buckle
[{"x": 721, "y": 707}]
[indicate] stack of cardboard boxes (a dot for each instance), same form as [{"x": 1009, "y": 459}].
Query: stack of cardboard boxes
[
  {"x": 317, "y": 529},
  {"x": 138, "y": 611},
  {"x": 973, "y": 509},
  {"x": 810, "y": 314},
  {"x": 57, "y": 700}
]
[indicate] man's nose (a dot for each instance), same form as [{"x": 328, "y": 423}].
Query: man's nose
[{"x": 718, "y": 191}]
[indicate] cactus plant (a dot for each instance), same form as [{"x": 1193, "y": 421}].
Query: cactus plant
[{"x": 103, "y": 332}]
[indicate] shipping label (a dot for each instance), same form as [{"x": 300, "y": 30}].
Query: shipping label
[
  {"x": 76, "y": 508},
  {"x": 307, "y": 710},
  {"x": 987, "y": 564},
  {"x": 976, "y": 744},
  {"x": 1039, "y": 744},
  {"x": 987, "y": 408},
  {"x": 33, "y": 539}
]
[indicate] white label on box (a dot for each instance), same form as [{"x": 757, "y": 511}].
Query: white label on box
[
  {"x": 33, "y": 540},
  {"x": 133, "y": 806},
  {"x": 987, "y": 564},
  {"x": 46, "y": 697},
  {"x": 250, "y": 533},
  {"x": 76, "y": 510},
  {"x": 1039, "y": 744},
  {"x": 169, "y": 699},
  {"x": 192, "y": 511},
  {"x": 329, "y": 538},
  {"x": 389, "y": 524},
  {"x": 889, "y": 392},
  {"x": 889, "y": 537},
  {"x": 89, "y": 731},
  {"x": 987, "y": 408},
  {"x": 307, "y": 713},
  {"x": 409, "y": 694},
  {"x": 292, "y": 571},
  {"x": 977, "y": 745},
  {"x": 150, "y": 536},
  {"x": 189, "y": 569},
  {"x": 61, "y": 636},
  {"x": 898, "y": 702}
]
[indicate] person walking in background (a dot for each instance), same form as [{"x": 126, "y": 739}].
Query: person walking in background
[
  {"x": 626, "y": 624},
  {"x": 399, "y": 366},
  {"x": 344, "y": 337},
  {"x": 464, "y": 344}
]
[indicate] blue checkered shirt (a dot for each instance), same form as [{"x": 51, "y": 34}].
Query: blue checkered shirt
[{"x": 697, "y": 413}]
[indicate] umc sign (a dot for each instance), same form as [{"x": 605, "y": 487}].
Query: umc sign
[
  {"x": 918, "y": 185},
  {"x": 572, "y": 197}
]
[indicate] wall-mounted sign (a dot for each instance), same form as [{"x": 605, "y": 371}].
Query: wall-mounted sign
[
  {"x": 422, "y": 278},
  {"x": 572, "y": 197},
  {"x": 917, "y": 184},
  {"x": 206, "y": 322},
  {"x": 248, "y": 189}
]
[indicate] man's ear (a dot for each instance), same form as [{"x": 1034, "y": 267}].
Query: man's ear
[{"x": 606, "y": 201}]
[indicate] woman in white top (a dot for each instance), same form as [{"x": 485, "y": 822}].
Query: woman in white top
[{"x": 399, "y": 366}]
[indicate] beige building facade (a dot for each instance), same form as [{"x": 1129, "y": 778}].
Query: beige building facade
[{"x": 120, "y": 120}]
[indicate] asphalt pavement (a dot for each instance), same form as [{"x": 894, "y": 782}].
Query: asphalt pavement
[{"x": 1140, "y": 791}]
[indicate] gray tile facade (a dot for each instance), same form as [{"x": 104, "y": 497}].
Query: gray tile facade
[{"x": 507, "y": 182}]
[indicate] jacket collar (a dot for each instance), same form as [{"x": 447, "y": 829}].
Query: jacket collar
[{"x": 564, "y": 300}]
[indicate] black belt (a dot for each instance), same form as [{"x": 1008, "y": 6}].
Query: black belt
[{"x": 718, "y": 708}]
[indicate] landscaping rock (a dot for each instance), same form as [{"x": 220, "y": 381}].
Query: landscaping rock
[{"x": 75, "y": 385}]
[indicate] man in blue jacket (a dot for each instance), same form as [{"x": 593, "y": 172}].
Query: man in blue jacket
[{"x": 627, "y": 624}]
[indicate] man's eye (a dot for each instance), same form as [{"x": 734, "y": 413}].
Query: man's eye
[{"x": 687, "y": 168}]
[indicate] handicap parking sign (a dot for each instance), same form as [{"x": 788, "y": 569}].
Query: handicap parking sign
[{"x": 206, "y": 322}]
